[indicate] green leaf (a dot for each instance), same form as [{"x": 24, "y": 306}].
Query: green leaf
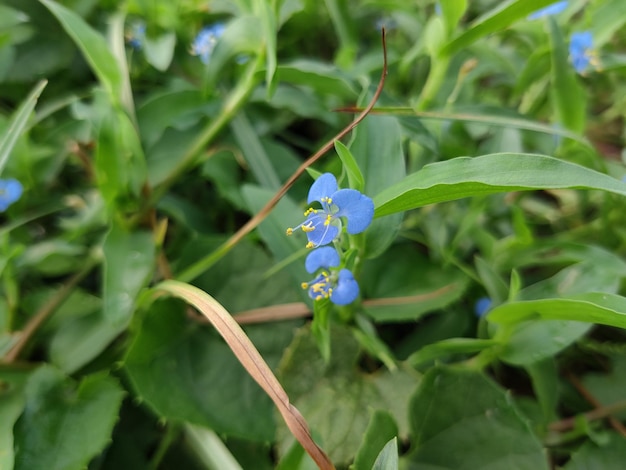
[
  {"x": 464, "y": 411},
  {"x": 64, "y": 426},
  {"x": 600, "y": 308},
  {"x": 388, "y": 457},
  {"x": 17, "y": 124},
  {"x": 254, "y": 153},
  {"x": 407, "y": 291},
  {"x": 377, "y": 147},
  {"x": 168, "y": 349},
  {"x": 79, "y": 340},
  {"x": 243, "y": 35},
  {"x": 533, "y": 341},
  {"x": 449, "y": 347},
  {"x": 499, "y": 18},
  {"x": 323, "y": 78},
  {"x": 610, "y": 456},
  {"x": 355, "y": 177},
  {"x": 489, "y": 174},
  {"x": 452, "y": 12},
  {"x": 545, "y": 378},
  {"x": 567, "y": 92},
  {"x": 129, "y": 260},
  {"x": 336, "y": 398},
  {"x": 159, "y": 51},
  {"x": 380, "y": 431},
  {"x": 93, "y": 46},
  {"x": 120, "y": 163},
  {"x": 12, "y": 401},
  {"x": 272, "y": 229},
  {"x": 265, "y": 11}
]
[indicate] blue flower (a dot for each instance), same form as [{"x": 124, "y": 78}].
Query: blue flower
[
  {"x": 10, "y": 191},
  {"x": 553, "y": 9},
  {"x": 340, "y": 286},
  {"x": 324, "y": 225},
  {"x": 482, "y": 306},
  {"x": 581, "y": 50},
  {"x": 136, "y": 35},
  {"x": 205, "y": 41}
]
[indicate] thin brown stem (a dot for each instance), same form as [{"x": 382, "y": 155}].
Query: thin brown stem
[
  {"x": 587, "y": 395},
  {"x": 599, "y": 413},
  {"x": 44, "y": 312},
  {"x": 198, "y": 268}
]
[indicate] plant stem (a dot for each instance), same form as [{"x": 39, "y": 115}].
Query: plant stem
[
  {"x": 45, "y": 311},
  {"x": 205, "y": 263}
]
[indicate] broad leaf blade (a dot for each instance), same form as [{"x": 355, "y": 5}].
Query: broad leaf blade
[
  {"x": 600, "y": 308},
  {"x": 63, "y": 426},
  {"x": 465, "y": 411},
  {"x": 489, "y": 174}
]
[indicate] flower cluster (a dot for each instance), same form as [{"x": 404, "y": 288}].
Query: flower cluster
[
  {"x": 10, "y": 191},
  {"x": 325, "y": 225},
  {"x": 205, "y": 41},
  {"x": 136, "y": 35},
  {"x": 340, "y": 286},
  {"x": 581, "y": 51}
]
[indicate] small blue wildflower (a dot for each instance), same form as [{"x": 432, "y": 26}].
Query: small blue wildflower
[
  {"x": 581, "y": 50},
  {"x": 136, "y": 35},
  {"x": 340, "y": 286},
  {"x": 205, "y": 41},
  {"x": 550, "y": 10},
  {"x": 10, "y": 191},
  {"x": 324, "y": 225},
  {"x": 482, "y": 306}
]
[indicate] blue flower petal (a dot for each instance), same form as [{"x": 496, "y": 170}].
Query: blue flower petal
[
  {"x": 482, "y": 306},
  {"x": 323, "y": 187},
  {"x": 10, "y": 191},
  {"x": 357, "y": 208},
  {"x": 205, "y": 41},
  {"x": 579, "y": 49},
  {"x": 347, "y": 289},
  {"x": 321, "y": 234},
  {"x": 325, "y": 257},
  {"x": 553, "y": 9}
]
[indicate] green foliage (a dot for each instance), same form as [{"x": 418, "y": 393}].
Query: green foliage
[{"x": 138, "y": 154}]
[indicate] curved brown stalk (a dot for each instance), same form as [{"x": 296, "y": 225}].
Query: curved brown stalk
[{"x": 199, "y": 267}]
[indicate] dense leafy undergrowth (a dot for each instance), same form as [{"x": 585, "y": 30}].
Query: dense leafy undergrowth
[{"x": 452, "y": 297}]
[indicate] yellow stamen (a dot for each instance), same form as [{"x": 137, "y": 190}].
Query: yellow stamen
[
  {"x": 289, "y": 231},
  {"x": 304, "y": 285},
  {"x": 310, "y": 245},
  {"x": 328, "y": 219},
  {"x": 308, "y": 227}
]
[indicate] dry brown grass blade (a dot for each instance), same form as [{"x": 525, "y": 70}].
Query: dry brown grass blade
[{"x": 250, "y": 358}]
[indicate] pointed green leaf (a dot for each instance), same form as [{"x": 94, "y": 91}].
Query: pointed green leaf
[
  {"x": 600, "y": 308},
  {"x": 18, "y": 123},
  {"x": 489, "y": 174},
  {"x": 567, "y": 92},
  {"x": 380, "y": 431},
  {"x": 93, "y": 46}
]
